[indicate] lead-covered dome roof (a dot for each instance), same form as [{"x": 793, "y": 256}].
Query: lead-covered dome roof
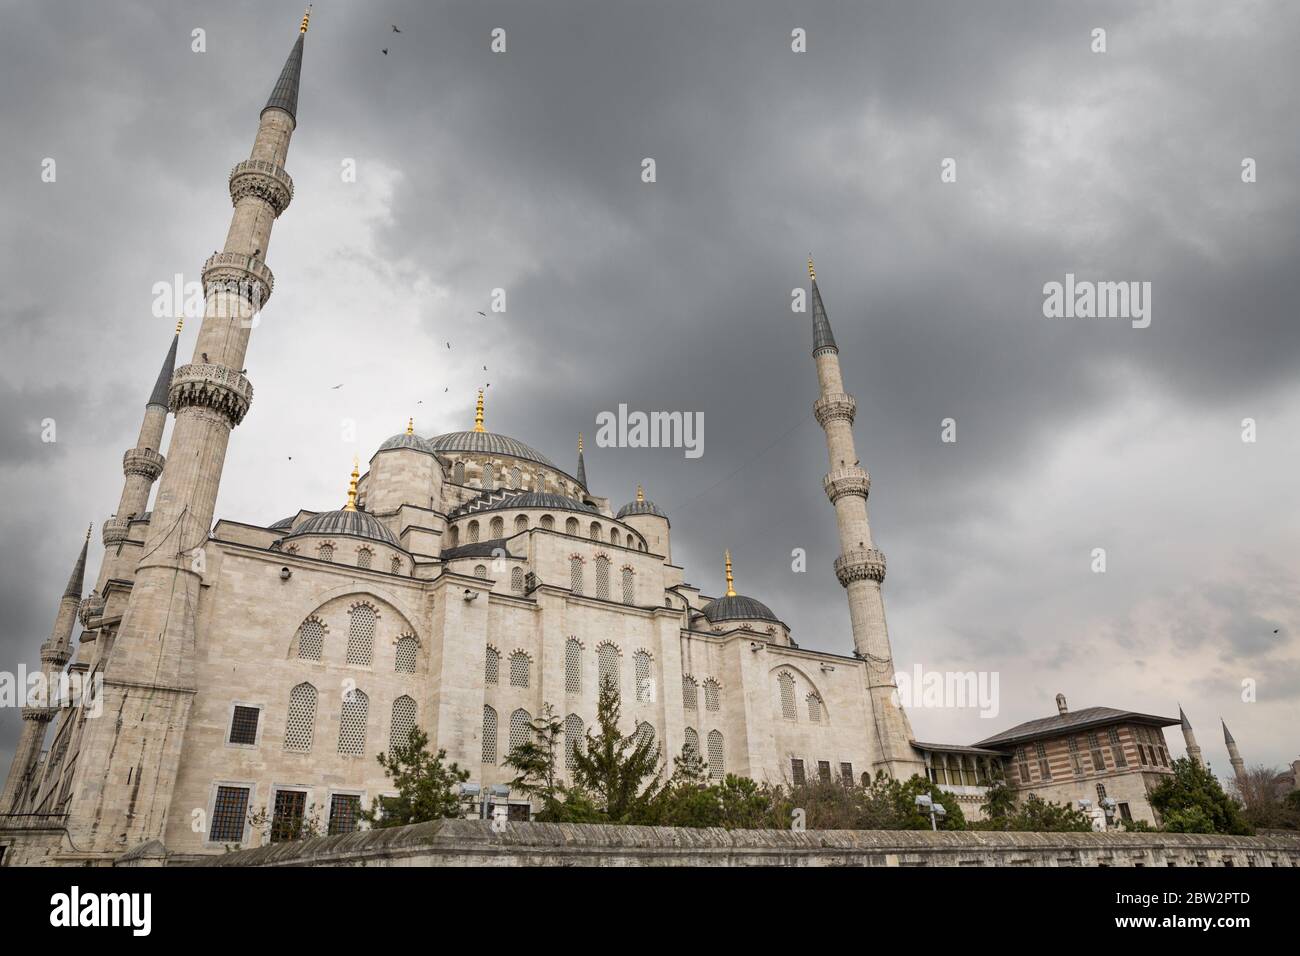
[
  {"x": 407, "y": 440},
  {"x": 542, "y": 500},
  {"x": 357, "y": 524},
  {"x": 737, "y": 607},
  {"x": 488, "y": 443}
]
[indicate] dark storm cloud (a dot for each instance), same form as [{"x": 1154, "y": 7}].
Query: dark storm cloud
[{"x": 522, "y": 171}]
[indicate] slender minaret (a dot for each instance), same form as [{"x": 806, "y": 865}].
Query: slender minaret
[
  {"x": 55, "y": 653},
  {"x": 1189, "y": 738},
  {"x": 860, "y": 566},
  {"x": 1234, "y": 755},
  {"x": 582, "y": 465},
  {"x": 127, "y": 768}
]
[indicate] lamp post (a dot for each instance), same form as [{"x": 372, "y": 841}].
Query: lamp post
[{"x": 925, "y": 804}]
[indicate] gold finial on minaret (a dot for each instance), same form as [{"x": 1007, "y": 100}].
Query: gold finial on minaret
[
  {"x": 90, "y": 527},
  {"x": 478, "y": 413},
  {"x": 410, "y": 426},
  {"x": 180, "y": 323},
  {"x": 305, "y": 17},
  {"x": 812, "y": 273},
  {"x": 352, "y": 485},
  {"x": 640, "y": 493},
  {"x": 579, "y": 443},
  {"x": 731, "y": 585}
]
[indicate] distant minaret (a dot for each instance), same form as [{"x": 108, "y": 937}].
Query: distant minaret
[
  {"x": 127, "y": 766},
  {"x": 1189, "y": 738},
  {"x": 860, "y": 566},
  {"x": 582, "y": 465},
  {"x": 1234, "y": 755},
  {"x": 55, "y": 653}
]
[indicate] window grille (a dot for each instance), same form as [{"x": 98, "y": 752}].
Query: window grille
[
  {"x": 717, "y": 766},
  {"x": 575, "y": 575},
  {"x": 521, "y": 728},
  {"x": 814, "y": 708},
  {"x": 607, "y": 660},
  {"x": 300, "y": 726},
  {"x": 644, "y": 687},
  {"x": 493, "y": 669},
  {"x": 602, "y": 577},
  {"x": 361, "y": 634},
  {"x": 243, "y": 725},
  {"x": 1116, "y": 748},
  {"x": 519, "y": 667},
  {"x": 796, "y": 771},
  {"x": 573, "y": 737},
  {"x": 311, "y": 637},
  {"x": 403, "y": 722},
  {"x": 352, "y": 723},
  {"x": 286, "y": 818},
  {"x": 365, "y": 557},
  {"x": 787, "y": 696},
  {"x": 229, "y": 814},
  {"x": 572, "y": 666},
  {"x": 489, "y": 735},
  {"x": 345, "y": 809},
  {"x": 517, "y": 579},
  {"x": 629, "y": 587},
  {"x": 712, "y": 695},
  {"x": 692, "y": 742},
  {"x": 690, "y": 693},
  {"x": 325, "y": 552},
  {"x": 404, "y": 659}
]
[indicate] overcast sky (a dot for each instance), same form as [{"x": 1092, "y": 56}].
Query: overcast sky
[{"x": 522, "y": 171}]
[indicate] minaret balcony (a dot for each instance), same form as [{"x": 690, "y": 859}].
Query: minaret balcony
[
  {"x": 90, "y": 609},
  {"x": 265, "y": 181},
  {"x": 114, "y": 532},
  {"x": 835, "y": 406},
  {"x": 861, "y": 564},
  {"x": 214, "y": 387},
  {"x": 238, "y": 274},
  {"x": 847, "y": 481},
  {"x": 143, "y": 461}
]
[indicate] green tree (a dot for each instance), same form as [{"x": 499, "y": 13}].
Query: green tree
[
  {"x": 536, "y": 763},
  {"x": 999, "y": 806},
  {"x": 1191, "y": 800},
  {"x": 619, "y": 773},
  {"x": 426, "y": 788}
]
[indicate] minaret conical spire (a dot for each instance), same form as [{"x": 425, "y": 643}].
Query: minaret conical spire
[
  {"x": 1234, "y": 755},
  {"x": 163, "y": 383},
  {"x": 822, "y": 336},
  {"x": 284, "y": 95},
  {"x": 77, "y": 582},
  {"x": 582, "y": 465},
  {"x": 1189, "y": 738}
]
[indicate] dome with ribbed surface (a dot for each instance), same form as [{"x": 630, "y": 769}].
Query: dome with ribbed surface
[
  {"x": 357, "y": 524},
  {"x": 541, "y": 500},
  {"x": 488, "y": 443},
  {"x": 737, "y": 607},
  {"x": 643, "y": 507},
  {"x": 284, "y": 524},
  {"x": 407, "y": 440}
]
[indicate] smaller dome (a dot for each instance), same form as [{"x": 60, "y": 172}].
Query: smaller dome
[
  {"x": 284, "y": 524},
  {"x": 737, "y": 607},
  {"x": 643, "y": 506},
  {"x": 405, "y": 440},
  {"x": 357, "y": 524}
]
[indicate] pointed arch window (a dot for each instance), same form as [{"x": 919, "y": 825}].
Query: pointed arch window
[
  {"x": 692, "y": 742},
  {"x": 814, "y": 709},
  {"x": 311, "y": 639},
  {"x": 365, "y": 557},
  {"x": 690, "y": 693},
  {"x": 520, "y": 666},
  {"x": 493, "y": 669},
  {"x": 629, "y": 587},
  {"x": 352, "y": 723},
  {"x": 404, "y": 658},
  {"x": 521, "y": 727},
  {"x": 489, "y": 735},
  {"x": 607, "y": 662},
  {"x": 572, "y": 666},
  {"x": 489, "y": 477},
  {"x": 458, "y": 473},
  {"x": 516, "y": 478},
  {"x": 361, "y": 634},
  {"x": 787, "y": 695},
  {"x": 644, "y": 682},
  {"x": 573, "y": 736},
  {"x": 575, "y": 574},
  {"x": 300, "y": 725},
  {"x": 403, "y": 722},
  {"x": 712, "y": 695},
  {"x": 717, "y": 761},
  {"x": 517, "y": 579},
  {"x": 602, "y": 577}
]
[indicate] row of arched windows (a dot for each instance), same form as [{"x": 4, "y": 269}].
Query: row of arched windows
[
  {"x": 521, "y": 722},
  {"x": 354, "y": 714},
  {"x": 326, "y": 551},
  {"x": 716, "y": 757},
  {"x": 519, "y": 671},
  {"x": 577, "y": 578},
  {"x": 691, "y": 694},
  {"x": 363, "y": 622},
  {"x": 789, "y": 710},
  {"x": 511, "y": 478},
  {"x": 496, "y": 528}
]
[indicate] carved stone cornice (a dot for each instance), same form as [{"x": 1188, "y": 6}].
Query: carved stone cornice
[
  {"x": 238, "y": 274},
  {"x": 38, "y": 713},
  {"x": 838, "y": 405},
  {"x": 57, "y": 654},
  {"x": 847, "y": 481},
  {"x": 91, "y": 607},
  {"x": 114, "y": 532},
  {"x": 266, "y": 181},
  {"x": 865, "y": 564},
  {"x": 143, "y": 461},
  {"x": 214, "y": 387}
]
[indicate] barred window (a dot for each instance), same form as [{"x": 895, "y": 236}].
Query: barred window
[
  {"x": 814, "y": 708},
  {"x": 712, "y": 695},
  {"x": 602, "y": 577},
  {"x": 300, "y": 726},
  {"x": 489, "y": 477},
  {"x": 690, "y": 693},
  {"x": 594, "y": 531},
  {"x": 787, "y": 695},
  {"x": 493, "y": 669},
  {"x": 613, "y": 536},
  {"x": 573, "y": 666},
  {"x": 629, "y": 587},
  {"x": 361, "y": 634},
  {"x": 365, "y": 557},
  {"x": 1076, "y": 761},
  {"x": 846, "y": 774},
  {"x": 521, "y": 523},
  {"x": 325, "y": 552},
  {"x": 796, "y": 771},
  {"x": 489, "y": 735},
  {"x": 480, "y": 571},
  {"x": 548, "y": 523},
  {"x": 575, "y": 574},
  {"x": 286, "y": 818},
  {"x": 311, "y": 637},
  {"x": 1022, "y": 764},
  {"x": 572, "y": 740},
  {"x": 498, "y": 527},
  {"x": 516, "y": 478},
  {"x": 519, "y": 667},
  {"x": 399, "y": 734},
  {"x": 692, "y": 742},
  {"x": 1044, "y": 770},
  {"x": 517, "y": 579},
  {"x": 352, "y": 723},
  {"x": 243, "y": 725},
  {"x": 607, "y": 660},
  {"x": 395, "y": 566},
  {"x": 717, "y": 768},
  {"x": 471, "y": 535},
  {"x": 345, "y": 809},
  {"x": 1094, "y": 751},
  {"x": 644, "y": 687},
  {"x": 458, "y": 473},
  {"x": 229, "y": 814},
  {"x": 824, "y": 771},
  {"x": 645, "y": 734},
  {"x": 521, "y": 728},
  {"x": 404, "y": 659},
  {"x": 571, "y": 526}
]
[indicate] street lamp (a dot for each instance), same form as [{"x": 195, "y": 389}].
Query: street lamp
[{"x": 925, "y": 804}]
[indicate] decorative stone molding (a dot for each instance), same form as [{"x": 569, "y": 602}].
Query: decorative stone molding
[
  {"x": 867, "y": 564},
  {"x": 214, "y": 387},
  {"x": 38, "y": 713},
  {"x": 266, "y": 181},
  {"x": 58, "y": 655},
  {"x": 143, "y": 461},
  {"x": 835, "y": 406},
  {"x": 847, "y": 481},
  {"x": 233, "y": 272},
  {"x": 91, "y": 607},
  {"x": 114, "y": 532}
]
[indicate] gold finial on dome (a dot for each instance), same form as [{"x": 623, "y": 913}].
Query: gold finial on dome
[
  {"x": 478, "y": 413},
  {"x": 812, "y": 273},
  {"x": 731, "y": 585},
  {"x": 305, "y": 17},
  {"x": 410, "y": 426},
  {"x": 352, "y": 485},
  {"x": 640, "y": 492}
]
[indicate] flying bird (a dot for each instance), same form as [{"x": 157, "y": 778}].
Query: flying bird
[
  {"x": 335, "y": 388},
  {"x": 384, "y": 51},
  {"x": 448, "y": 345},
  {"x": 484, "y": 314},
  {"x": 395, "y": 30}
]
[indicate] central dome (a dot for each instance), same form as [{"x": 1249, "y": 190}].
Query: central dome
[
  {"x": 357, "y": 524},
  {"x": 488, "y": 443},
  {"x": 737, "y": 607}
]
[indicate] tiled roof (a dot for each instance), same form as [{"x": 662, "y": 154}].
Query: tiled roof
[
  {"x": 479, "y": 549},
  {"x": 737, "y": 607},
  {"x": 1072, "y": 720},
  {"x": 539, "y": 500},
  {"x": 358, "y": 524}
]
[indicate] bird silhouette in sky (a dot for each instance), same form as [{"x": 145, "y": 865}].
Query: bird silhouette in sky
[
  {"x": 395, "y": 30},
  {"x": 484, "y": 314},
  {"x": 384, "y": 51},
  {"x": 336, "y": 387}
]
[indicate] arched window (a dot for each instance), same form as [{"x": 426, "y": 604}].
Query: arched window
[
  {"x": 365, "y": 557},
  {"x": 498, "y": 528},
  {"x": 717, "y": 765},
  {"x": 453, "y": 537},
  {"x": 361, "y": 634},
  {"x": 352, "y": 723},
  {"x": 641, "y": 545},
  {"x": 572, "y": 666},
  {"x": 300, "y": 726},
  {"x": 395, "y": 566},
  {"x": 690, "y": 693},
  {"x": 489, "y": 735},
  {"x": 516, "y": 479},
  {"x": 399, "y": 734},
  {"x": 489, "y": 477},
  {"x": 607, "y": 662},
  {"x": 539, "y": 482},
  {"x": 517, "y": 579},
  {"x": 712, "y": 695},
  {"x": 473, "y": 532},
  {"x": 493, "y": 665},
  {"x": 629, "y": 587},
  {"x": 521, "y": 523},
  {"x": 325, "y": 552},
  {"x": 644, "y": 684},
  {"x": 787, "y": 695},
  {"x": 519, "y": 668},
  {"x": 521, "y": 727},
  {"x": 311, "y": 638},
  {"x": 692, "y": 742},
  {"x": 613, "y": 536},
  {"x": 645, "y": 734},
  {"x": 404, "y": 659},
  {"x": 575, "y": 574},
  {"x": 814, "y": 708},
  {"x": 602, "y": 577},
  {"x": 458, "y": 473},
  {"x": 571, "y": 526},
  {"x": 595, "y": 531},
  {"x": 480, "y": 570},
  {"x": 572, "y": 739},
  {"x": 548, "y": 522}
]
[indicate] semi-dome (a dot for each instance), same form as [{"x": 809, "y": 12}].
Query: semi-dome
[
  {"x": 737, "y": 607},
  {"x": 284, "y": 524},
  {"x": 641, "y": 506},
  {"x": 357, "y": 524},
  {"x": 542, "y": 500},
  {"x": 406, "y": 440},
  {"x": 488, "y": 443}
]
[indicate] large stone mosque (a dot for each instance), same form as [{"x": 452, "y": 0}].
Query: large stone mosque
[{"x": 466, "y": 582}]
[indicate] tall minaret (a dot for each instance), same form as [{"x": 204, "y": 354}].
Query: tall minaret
[
  {"x": 1189, "y": 738},
  {"x": 1234, "y": 755},
  {"x": 55, "y": 653},
  {"x": 127, "y": 768},
  {"x": 860, "y": 566}
]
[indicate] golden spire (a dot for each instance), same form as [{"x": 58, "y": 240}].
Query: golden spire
[
  {"x": 731, "y": 585},
  {"x": 640, "y": 493},
  {"x": 410, "y": 426},
  {"x": 352, "y": 486},
  {"x": 305, "y": 17},
  {"x": 579, "y": 443},
  {"x": 180, "y": 323},
  {"x": 90, "y": 527},
  {"x": 478, "y": 413},
  {"x": 812, "y": 273}
]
